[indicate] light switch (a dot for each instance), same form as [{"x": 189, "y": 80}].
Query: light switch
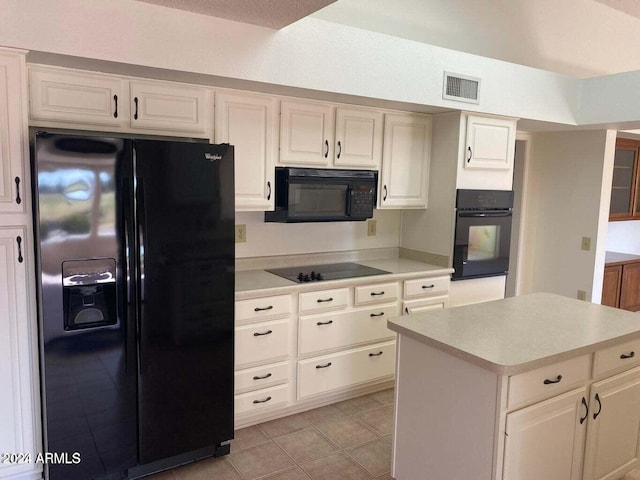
[{"x": 586, "y": 243}]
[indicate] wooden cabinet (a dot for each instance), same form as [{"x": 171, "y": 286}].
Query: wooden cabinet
[
  {"x": 546, "y": 440},
  {"x": 624, "y": 188},
  {"x": 324, "y": 135},
  {"x": 13, "y": 188},
  {"x": 250, "y": 123},
  {"x": 621, "y": 282},
  {"x": 77, "y": 99},
  {"x": 490, "y": 143},
  {"x": 405, "y": 161},
  {"x": 613, "y": 435}
]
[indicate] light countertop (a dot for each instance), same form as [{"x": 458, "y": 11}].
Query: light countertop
[
  {"x": 615, "y": 258},
  {"x": 255, "y": 283},
  {"x": 518, "y": 334}
]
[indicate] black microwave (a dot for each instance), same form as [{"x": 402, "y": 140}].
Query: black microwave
[{"x": 323, "y": 195}]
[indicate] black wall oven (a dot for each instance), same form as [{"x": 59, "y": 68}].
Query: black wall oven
[{"x": 483, "y": 233}]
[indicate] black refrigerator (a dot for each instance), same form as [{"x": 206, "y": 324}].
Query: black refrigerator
[{"x": 135, "y": 250}]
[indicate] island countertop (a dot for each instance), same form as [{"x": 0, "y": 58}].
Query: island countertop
[{"x": 518, "y": 334}]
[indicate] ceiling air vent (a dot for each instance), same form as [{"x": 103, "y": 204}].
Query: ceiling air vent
[{"x": 461, "y": 88}]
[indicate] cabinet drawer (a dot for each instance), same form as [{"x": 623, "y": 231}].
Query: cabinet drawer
[
  {"x": 383, "y": 292},
  {"x": 261, "y": 342},
  {"x": 618, "y": 356},
  {"x": 329, "y": 372},
  {"x": 323, "y": 300},
  {"x": 548, "y": 381},
  {"x": 425, "y": 286},
  {"x": 261, "y": 377},
  {"x": 425, "y": 305},
  {"x": 335, "y": 330},
  {"x": 261, "y": 399},
  {"x": 259, "y": 308}
]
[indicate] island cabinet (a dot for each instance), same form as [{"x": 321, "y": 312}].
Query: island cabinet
[{"x": 520, "y": 396}]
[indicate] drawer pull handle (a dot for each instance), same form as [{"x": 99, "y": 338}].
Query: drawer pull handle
[
  {"x": 586, "y": 407},
  {"x": 624, "y": 356},
  {"x": 329, "y": 322},
  {"x": 375, "y": 294},
  {"x": 557, "y": 380},
  {"x": 262, "y": 401},
  {"x": 323, "y": 300},
  {"x": 375, "y": 354},
  {"x": 259, "y": 334},
  {"x": 595, "y": 415},
  {"x": 428, "y": 286},
  {"x": 262, "y": 377},
  {"x": 376, "y": 314},
  {"x": 262, "y": 309},
  {"x": 324, "y": 366}
]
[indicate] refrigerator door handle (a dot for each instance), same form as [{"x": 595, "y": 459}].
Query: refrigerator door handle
[{"x": 141, "y": 235}]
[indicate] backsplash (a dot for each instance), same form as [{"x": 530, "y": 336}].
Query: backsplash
[
  {"x": 624, "y": 237},
  {"x": 265, "y": 239}
]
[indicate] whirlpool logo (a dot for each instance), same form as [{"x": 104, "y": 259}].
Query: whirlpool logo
[{"x": 212, "y": 157}]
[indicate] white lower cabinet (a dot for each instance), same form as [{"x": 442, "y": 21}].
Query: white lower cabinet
[
  {"x": 330, "y": 372},
  {"x": 261, "y": 342},
  {"x": 545, "y": 440},
  {"x": 261, "y": 399},
  {"x": 613, "y": 446}
]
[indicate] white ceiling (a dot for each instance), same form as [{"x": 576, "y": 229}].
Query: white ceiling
[{"x": 581, "y": 38}]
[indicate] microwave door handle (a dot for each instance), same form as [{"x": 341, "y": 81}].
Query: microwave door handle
[{"x": 349, "y": 195}]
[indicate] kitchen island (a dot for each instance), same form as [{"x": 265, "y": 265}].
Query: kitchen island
[{"x": 532, "y": 387}]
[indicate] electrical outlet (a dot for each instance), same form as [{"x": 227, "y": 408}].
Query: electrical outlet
[
  {"x": 371, "y": 228},
  {"x": 241, "y": 233},
  {"x": 586, "y": 243},
  {"x": 582, "y": 295}
]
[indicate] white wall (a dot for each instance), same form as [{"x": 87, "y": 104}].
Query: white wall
[
  {"x": 568, "y": 197},
  {"x": 311, "y": 54},
  {"x": 624, "y": 237},
  {"x": 299, "y": 238}
]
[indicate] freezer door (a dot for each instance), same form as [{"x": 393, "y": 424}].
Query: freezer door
[
  {"x": 185, "y": 215},
  {"x": 89, "y": 375}
]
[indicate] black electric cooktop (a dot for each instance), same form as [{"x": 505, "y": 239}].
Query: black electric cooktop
[{"x": 330, "y": 271}]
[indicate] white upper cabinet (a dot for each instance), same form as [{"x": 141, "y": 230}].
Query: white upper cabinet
[
  {"x": 12, "y": 131},
  {"x": 169, "y": 107},
  {"x": 490, "y": 143},
  {"x": 82, "y": 99},
  {"x": 250, "y": 123},
  {"x": 306, "y": 133},
  {"x": 77, "y": 97},
  {"x": 358, "y": 140},
  {"x": 405, "y": 161}
]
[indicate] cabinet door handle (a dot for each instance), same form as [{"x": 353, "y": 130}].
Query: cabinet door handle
[
  {"x": 18, "y": 199},
  {"x": 115, "y": 112},
  {"x": 19, "y": 242},
  {"x": 384, "y": 189},
  {"x": 261, "y": 309},
  {"x": 557, "y": 380},
  {"x": 260, "y": 334},
  {"x": 323, "y": 300},
  {"x": 339, "y": 149},
  {"x": 262, "y": 401},
  {"x": 470, "y": 154},
  {"x": 624, "y": 356},
  {"x": 586, "y": 407},
  {"x": 262, "y": 377},
  {"x": 406, "y": 310},
  {"x": 326, "y": 365},
  {"x": 428, "y": 286},
  {"x": 595, "y": 415},
  {"x": 326, "y": 145},
  {"x": 325, "y": 323},
  {"x": 269, "y": 192},
  {"x": 375, "y": 294},
  {"x": 376, "y": 314},
  {"x": 135, "y": 115},
  {"x": 375, "y": 354}
]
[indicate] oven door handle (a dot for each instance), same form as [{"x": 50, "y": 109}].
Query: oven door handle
[{"x": 486, "y": 214}]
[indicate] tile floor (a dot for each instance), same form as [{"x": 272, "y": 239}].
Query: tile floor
[{"x": 350, "y": 440}]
